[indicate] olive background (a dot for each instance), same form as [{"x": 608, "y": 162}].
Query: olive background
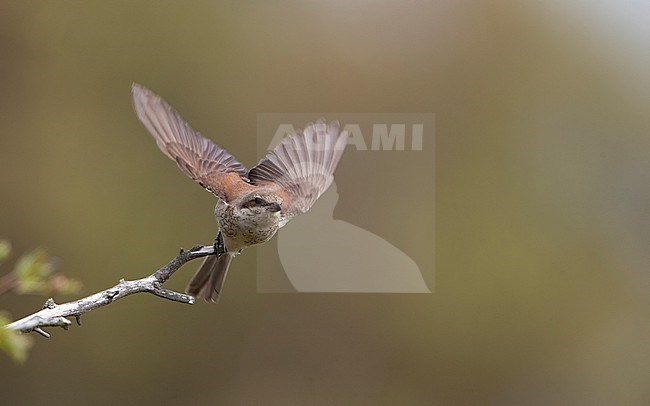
[{"x": 541, "y": 204}]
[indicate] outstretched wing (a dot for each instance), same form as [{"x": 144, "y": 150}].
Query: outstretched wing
[
  {"x": 198, "y": 157},
  {"x": 302, "y": 165}
]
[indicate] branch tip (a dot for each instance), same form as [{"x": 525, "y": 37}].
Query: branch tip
[{"x": 42, "y": 332}]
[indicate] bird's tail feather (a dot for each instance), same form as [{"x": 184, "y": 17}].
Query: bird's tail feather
[{"x": 208, "y": 280}]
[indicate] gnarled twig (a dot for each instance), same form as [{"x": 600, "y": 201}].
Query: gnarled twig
[{"x": 54, "y": 315}]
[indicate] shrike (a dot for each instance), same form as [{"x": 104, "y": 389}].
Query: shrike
[{"x": 251, "y": 204}]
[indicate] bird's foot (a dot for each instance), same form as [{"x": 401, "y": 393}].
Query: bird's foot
[{"x": 219, "y": 246}]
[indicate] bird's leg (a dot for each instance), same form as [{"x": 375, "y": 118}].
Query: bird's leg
[{"x": 219, "y": 246}]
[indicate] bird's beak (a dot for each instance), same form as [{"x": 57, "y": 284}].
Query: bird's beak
[{"x": 275, "y": 207}]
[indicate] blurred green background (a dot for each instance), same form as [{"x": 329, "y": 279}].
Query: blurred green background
[{"x": 542, "y": 199}]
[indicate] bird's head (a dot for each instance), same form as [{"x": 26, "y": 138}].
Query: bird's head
[{"x": 261, "y": 203}]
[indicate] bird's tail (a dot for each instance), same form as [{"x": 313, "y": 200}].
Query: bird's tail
[{"x": 208, "y": 280}]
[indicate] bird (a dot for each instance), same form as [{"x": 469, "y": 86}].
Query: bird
[{"x": 251, "y": 204}]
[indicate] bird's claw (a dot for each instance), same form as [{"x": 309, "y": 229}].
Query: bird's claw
[{"x": 219, "y": 246}]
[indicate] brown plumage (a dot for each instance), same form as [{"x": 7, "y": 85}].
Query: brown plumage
[{"x": 251, "y": 205}]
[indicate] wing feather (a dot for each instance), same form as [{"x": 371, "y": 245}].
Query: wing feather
[
  {"x": 302, "y": 165},
  {"x": 198, "y": 157}
]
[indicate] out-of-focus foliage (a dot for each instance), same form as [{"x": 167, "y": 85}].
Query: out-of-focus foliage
[
  {"x": 15, "y": 345},
  {"x": 33, "y": 273},
  {"x": 5, "y": 250}
]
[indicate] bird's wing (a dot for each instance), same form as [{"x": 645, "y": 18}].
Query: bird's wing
[
  {"x": 302, "y": 165},
  {"x": 198, "y": 157}
]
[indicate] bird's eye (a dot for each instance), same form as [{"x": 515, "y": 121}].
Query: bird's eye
[{"x": 259, "y": 201}]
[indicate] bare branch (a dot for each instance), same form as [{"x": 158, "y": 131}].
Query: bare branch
[{"x": 54, "y": 315}]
